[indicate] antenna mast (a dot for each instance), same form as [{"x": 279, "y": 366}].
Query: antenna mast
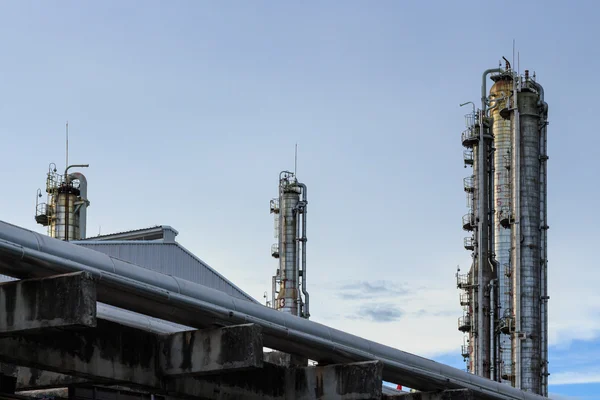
[
  {"x": 67, "y": 152},
  {"x": 296, "y": 161},
  {"x": 513, "y": 57}
]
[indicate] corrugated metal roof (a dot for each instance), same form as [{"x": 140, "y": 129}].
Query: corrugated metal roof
[
  {"x": 165, "y": 232},
  {"x": 168, "y": 258}
]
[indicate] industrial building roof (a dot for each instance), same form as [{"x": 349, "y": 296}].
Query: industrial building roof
[
  {"x": 158, "y": 232},
  {"x": 155, "y": 248}
]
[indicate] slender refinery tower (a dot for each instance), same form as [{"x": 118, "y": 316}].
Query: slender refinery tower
[
  {"x": 289, "y": 292},
  {"x": 65, "y": 211},
  {"x": 505, "y": 295}
]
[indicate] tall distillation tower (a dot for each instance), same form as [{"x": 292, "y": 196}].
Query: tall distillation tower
[
  {"x": 505, "y": 293},
  {"x": 289, "y": 292},
  {"x": 66, "y": 204}
]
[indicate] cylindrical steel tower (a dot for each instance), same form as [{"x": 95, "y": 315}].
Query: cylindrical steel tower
[
  {"x": 65, "y": 211},
  {"x": 526, "y": 340},
  {"x": 508, "y": 302},
  {"x": 63, "y": 202},
  {"x": 290, "y": 224},
  {"x": 499, "y": 101}
]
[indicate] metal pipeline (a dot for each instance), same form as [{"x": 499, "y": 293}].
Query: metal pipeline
[
  {"x": 139, "y": 321},
  {"x": 297, "y": 270},
  {"x": 484, "y": 85},
  {"x": 24, "y": 253},
  {"x": 83, "y": 209},
  {"x": 545, "y": 296},
  {"x": 492, "y": 335},
  {"x": 303, "y": 239},
  {"x": 482, "y": 228}
]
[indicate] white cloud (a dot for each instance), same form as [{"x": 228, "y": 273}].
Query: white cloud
[
  {"x": 555, "y": 396},
  {"x": 575, "y": 377},
  {"x": 427, "y": 323}
]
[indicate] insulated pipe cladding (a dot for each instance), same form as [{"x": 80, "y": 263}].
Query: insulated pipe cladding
[{"x": 25, "y": 254}]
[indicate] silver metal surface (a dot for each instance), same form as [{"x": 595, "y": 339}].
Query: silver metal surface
[
  {"x": 59, "y": 221},
  {"x": 287, "y": 299},
  {"x": 25, "y": 253},
  {"x": 83, "y": 204},
  {"x": 516, "y": 334},
  {"x": 302, "y": 240},
  {"x": 483, "y": 256},
  {"x": 543, "y": 106},
  {"x": 290, "y": 218},
  {"x": 168, "y": 258},
  {"x": 530, "y": 324},
  {"x": 66, "y": 205},
  {"x": 516, "y": 237},
  {"x": 502, "y": 165}
]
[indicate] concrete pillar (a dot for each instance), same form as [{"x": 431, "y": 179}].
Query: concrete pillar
[
  {"x": 336, "y": 382},
  {"x": 62, "y": 301},
  {"x": 110, "y": 352},
  {"x": 35, "y": 379},
  {"x": 227, "y": 349}
]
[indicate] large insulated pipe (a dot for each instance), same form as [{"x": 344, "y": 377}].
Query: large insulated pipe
[
  {"x": 24, "y": 253},
  {"x": 83, "y": 209},
  {"x": 129, "y": 318},
  {"x": 136, "y": 320},
  {"x": 483, "y": 335},
  {"x": 303, "y": 240},
  {"x": 67, "y": 193}
]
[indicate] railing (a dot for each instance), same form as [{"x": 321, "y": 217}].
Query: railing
[
  {"x": 43, "y": 214},
  {"x": 465, "y": 299},
  {"x": 508, "y": 373},
  {"x": 274, "y": 205},
  {"x": 462, "y": 280},
  {"x": 468, "y": 221},
  {"x": 505, "y": 217},
  {"x": 55, "y": 181},
  {"x": 469, "y": 183},
  {"x": 468, "y": 157},
  {"x": 465, "y": 350},
  {"x": 506, "y": 325},
  {"x": 469, "y": 243},
  {"x": 41, "y": 209},
  {"x": 275, "y": 250},
  {"x": 470, "y": 201},
  {"x": 464, "y": 323},
  {"x": 471, "y": 119},
  {"x": 469, "y": 136}
]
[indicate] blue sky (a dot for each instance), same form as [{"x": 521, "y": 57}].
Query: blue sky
[{"x": 187, "y": 111}]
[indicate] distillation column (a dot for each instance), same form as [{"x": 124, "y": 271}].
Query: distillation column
[
  {"x": 290, "y": 214},
  {"x": 506, "y": 314},
  {"x": 499, "y": 103},
  {"x": 65, "y": 211},
  {"x": 526, "y": 242}
]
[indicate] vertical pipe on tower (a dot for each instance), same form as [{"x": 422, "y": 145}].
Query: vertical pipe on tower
[{"x": 483, "y": 250}]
